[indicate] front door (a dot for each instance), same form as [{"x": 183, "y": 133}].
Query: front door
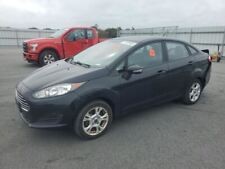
[
  {"x": 74, "y": 42},
  {"x": 148, "y": 86}
]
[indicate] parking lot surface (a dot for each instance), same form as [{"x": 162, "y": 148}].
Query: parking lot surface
[{"x": 169, "y": 136}]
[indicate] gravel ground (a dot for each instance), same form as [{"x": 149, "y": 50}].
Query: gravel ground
[{"x": 169, "y": 136}]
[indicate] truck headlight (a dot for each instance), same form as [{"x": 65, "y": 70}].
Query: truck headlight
[
  {"x": 33, "y": 46},
  {"x": 56, "y": 90}
]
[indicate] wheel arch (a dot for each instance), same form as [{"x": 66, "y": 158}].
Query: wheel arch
[
  {"x": 109, "y": 102},
  {"x": 109, "y": 97},
  {"x": 49, "y": 48},
  {"x": 200, "y": 75}
]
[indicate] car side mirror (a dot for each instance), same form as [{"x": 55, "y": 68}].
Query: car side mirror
[{"x": 135, "y": 69}]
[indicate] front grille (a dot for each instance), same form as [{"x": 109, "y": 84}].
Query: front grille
[
  {"x": 22, "y": 102},
  {"x": 25, "y": 47}
]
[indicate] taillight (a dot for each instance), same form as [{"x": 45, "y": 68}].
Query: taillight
[{"x": 210, "y": 58}]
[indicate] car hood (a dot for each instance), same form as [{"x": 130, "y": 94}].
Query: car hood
[{"x": 61, "y": 72}]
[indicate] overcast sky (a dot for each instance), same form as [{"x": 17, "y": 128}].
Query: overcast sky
[{"x": 111, "y": 13}]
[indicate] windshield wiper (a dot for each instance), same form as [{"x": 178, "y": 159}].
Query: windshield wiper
[{"x": 80, "y": 63}]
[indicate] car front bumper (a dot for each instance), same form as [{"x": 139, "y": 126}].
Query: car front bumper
[
  {"x": 30, "y": 57},
  {"x": 47, "y": 113}
]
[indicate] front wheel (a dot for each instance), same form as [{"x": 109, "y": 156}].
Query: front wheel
[
  {"x": 193, "y": 92},
  {"x": 47, "y": 57},
  {"x": 93, "y": 120}
]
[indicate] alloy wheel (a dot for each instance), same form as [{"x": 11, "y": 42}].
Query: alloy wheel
[
  {"x": 194, "y": 92},
  {"x": 48, "y": 59},
  {"x": 95, "y": 121}
]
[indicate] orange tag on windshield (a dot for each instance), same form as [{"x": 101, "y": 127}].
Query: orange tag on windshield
[{"x": 152, "y": 53}]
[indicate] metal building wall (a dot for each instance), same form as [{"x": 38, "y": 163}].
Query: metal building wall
[
  {"x": 212, "y": 38},
  {"x": 15, "y": 37}
]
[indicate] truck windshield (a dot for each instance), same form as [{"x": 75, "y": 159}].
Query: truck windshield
[
  {"x": 103, "y": 54},
  {"x": 58, "y": 33}
]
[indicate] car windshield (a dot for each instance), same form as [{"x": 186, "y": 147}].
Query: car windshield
[
  {"x": 58, "y": 33},
  {"x": 103, "y": 54}
]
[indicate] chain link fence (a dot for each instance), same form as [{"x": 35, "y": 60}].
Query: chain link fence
[
  {"x": 212, "y": 38},
  {"x": 15, "y": 37}
]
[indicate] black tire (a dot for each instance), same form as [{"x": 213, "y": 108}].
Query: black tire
[
  {"x": 79, "y": 123},
  {"x": 47, "y": 57},
  {"x": 189, "y": 97}
]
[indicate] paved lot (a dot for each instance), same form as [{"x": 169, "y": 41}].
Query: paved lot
[{"x": 170, "y": 136}]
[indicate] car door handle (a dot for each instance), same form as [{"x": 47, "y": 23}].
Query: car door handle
[
  {"x": 162, "y": 71},
  {"x": 190, "y": 62}
]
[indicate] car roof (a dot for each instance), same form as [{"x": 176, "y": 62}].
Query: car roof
[{"x": 144, "y": 38}]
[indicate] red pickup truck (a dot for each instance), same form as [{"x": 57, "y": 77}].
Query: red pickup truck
[{"x": 62, "y": 44}]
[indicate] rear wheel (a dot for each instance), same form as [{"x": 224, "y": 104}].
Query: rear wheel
[
  {"x": 93, "y": 120},
  {"x": 47, "y": 57},
  {"x": 193, "y": 92}
]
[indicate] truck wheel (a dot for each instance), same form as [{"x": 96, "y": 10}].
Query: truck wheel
[
  {"x": 193, "y": 92},
  {"x": 47, "y": 57},
  {"x": 93, "y": 120}
]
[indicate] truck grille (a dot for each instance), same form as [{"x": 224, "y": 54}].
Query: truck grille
[
  {"x": 25, "y": 47},
  {"x": 22, "y": 102}
]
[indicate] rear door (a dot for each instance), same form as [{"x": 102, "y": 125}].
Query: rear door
[
  {"x": 74, "y": 42},
  {"x": 148, "y": 86},
  {"x": 180, "y": 67}
]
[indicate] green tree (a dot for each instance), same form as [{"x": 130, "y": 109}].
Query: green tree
[{"x": 111, "y": 32}]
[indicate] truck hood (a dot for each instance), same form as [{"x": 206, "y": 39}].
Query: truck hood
[
  {"x": 61, "y": 72},
  {"x": 41, "y": 40}
]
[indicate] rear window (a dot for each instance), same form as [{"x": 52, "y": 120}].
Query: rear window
[
  {"x": 176, "y": 50},
  {"x": 192, "y": 50}
]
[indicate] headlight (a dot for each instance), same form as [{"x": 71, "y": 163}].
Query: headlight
[
  {"x": 57, "y": 90},
  {"x": 33, "y": 46}
]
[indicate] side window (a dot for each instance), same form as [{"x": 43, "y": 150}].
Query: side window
[
  {"x": 147, "y": 56},
  {"x": 90, "y": 34},
  {"x": 176, "y": 50},
  {"x": 192, "y": 50},
  {"x": 76, "y": 34}
]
